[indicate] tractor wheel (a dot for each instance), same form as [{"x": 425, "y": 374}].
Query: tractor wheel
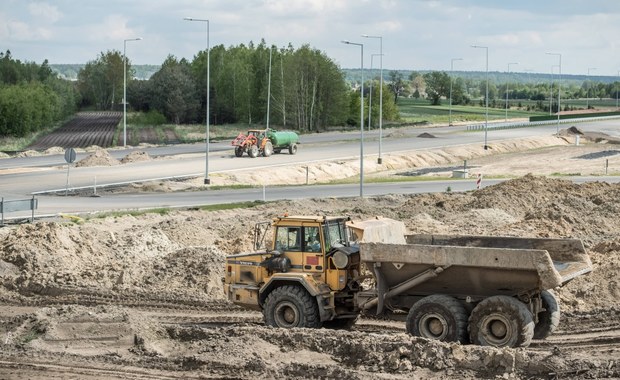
[
  {"x": 253, "y": 151},
  {"x": 501, "y": 321},
  {"x": 292, "y": 149},
  {"x": 291, "y": 306},
  {"x": 238, "y": 151},
  {"x": 549, "y": 319},
  {"x": 438, "y": 317},
  {"x": 268, "y": 149}
]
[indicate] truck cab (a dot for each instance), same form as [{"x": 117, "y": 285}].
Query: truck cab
[{"x": 306, "y": 276}]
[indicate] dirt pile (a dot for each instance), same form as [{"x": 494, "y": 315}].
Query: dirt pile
[
  {"x": 100, "y": 157},
  {"x": 136, "y": 156},
  {"x": 178, "y": 257}
]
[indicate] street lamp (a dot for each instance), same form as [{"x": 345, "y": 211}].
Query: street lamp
[
  {"x": 380, "y": 159},
  {"x": 559, "y": 88},
  {"x": 588, "y": 90},
  {"x": 486, "y": 120},
  {"x": 508, "y": 81},
  {"x": 361, "y": 115},
  {"x": 206, "y": 180},
  {"x": 370, "y": 92},
  {"x": 618, "y": 75},
  {"x": 551, "y": 90},
  {"x": 125, "y": 88},
  {"x": 451, "y": 70}
]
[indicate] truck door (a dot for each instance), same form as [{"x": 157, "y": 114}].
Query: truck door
[{"x": 302, "y": 245}]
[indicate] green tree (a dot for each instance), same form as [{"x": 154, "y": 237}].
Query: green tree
[
  {"x": 101, "y": 81},
  {"x": 437, "y": 85},
  {"x": 173, "y": 91},
  {"x": 396, "y": 84}
]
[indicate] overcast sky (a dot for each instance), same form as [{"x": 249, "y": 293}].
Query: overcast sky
[{"x": 417, "y": 34}]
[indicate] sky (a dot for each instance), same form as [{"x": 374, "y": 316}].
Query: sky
[{"x": 415, "y": 34}]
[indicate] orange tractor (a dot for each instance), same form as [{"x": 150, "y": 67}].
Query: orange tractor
[{"x": 265, "y": 142}]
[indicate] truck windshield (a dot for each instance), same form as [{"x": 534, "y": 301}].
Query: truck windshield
[{"x": 335, "y": 233}]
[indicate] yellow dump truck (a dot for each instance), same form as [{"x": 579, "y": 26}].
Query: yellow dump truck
[{"x": 485, "y": 290}]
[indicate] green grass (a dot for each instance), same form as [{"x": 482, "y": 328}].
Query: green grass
[
  {"x": 418, "y": 110},
  {"x": 231, "y": 206}
]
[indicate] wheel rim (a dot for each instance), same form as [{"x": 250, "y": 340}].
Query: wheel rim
[
  {"x": 286, "y": 315},
  {"x": 497, "y": 330},
  {"x": 433, "y": 326}
]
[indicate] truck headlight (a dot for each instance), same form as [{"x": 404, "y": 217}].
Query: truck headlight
[{"x": 340, "y": 259}]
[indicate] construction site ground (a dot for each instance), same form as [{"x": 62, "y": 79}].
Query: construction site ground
[{"x": 140, "y": 297}]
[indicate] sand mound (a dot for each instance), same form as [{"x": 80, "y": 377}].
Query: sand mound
[
  {"x": 426, "y": 135},
  {"x": 54, "y": 150},
  {"x": 574, "y": 131},
  {"x": 4, "y": 155},
  {"x": 101, "y": 157},
  {"x": 136, "y": 156},
  {"x": 28, "y": 153}
]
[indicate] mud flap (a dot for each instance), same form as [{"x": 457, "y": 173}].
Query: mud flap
[{"x": 382, "y": 287}]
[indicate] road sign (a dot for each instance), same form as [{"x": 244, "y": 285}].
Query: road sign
[{"x": 70, "y": 155}]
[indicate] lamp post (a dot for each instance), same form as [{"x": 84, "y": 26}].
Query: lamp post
[
  {"x": 361, "y": 114},
  {"x": 559, "y": 88},
  {"x": 618, "y": 75},
  {"x": 125, "y": 88},
  {"x": 588, "y": 90},
  {"x": 508, "y": 81},
  {"x": 206, "y": 180},
  {"x": 486, "y": 120},
  {"x": 370, "y": 92},
  {"x": 380, "y": 159},
  {"x": 451, "y": 70}
]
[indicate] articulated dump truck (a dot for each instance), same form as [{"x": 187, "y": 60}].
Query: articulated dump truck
[{"x": 325, "y": 271}]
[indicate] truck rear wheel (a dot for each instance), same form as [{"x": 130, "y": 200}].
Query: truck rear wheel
[
  {"x": 549, "y": 319},
  {"x": 291, "y": 306},
  {"x": 438, "y": 317},
  {"x": 253, "y": 151},
  {"x": 501, "y": 321},
  {"x": 292, "y": 149},
  {"x": 238, "y": 151}
]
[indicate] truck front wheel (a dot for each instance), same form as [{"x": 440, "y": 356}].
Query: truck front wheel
[
  {"x": 291, "y": 306},
  {"x": 238, "y": 151},
  {"x": 253, "y": 151},
  {"x": 438, "y": 317},
  {"x": 501, "y": 321}
]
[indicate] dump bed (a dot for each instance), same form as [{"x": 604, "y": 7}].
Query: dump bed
[{"x": 476, "y": 266}]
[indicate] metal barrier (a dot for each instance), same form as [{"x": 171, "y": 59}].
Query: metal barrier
[
  {"x": 18, "y": 205},
  {"x": 480, "y": 127}
]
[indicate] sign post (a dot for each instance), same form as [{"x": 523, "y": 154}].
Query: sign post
[{"x": 70, "y": 156}]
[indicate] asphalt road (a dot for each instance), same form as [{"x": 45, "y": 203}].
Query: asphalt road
[{"x": 19, "y": 178}]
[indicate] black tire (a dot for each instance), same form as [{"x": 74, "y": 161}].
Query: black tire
[
  {"x": 340, "y": 324},
  {"x": 268, "y": 149},
  {"x": 238, "y": 151},
  {"x": 253, "y": 151},
  {"x": 292, "y": 149},
  {"x": 548, "y": 319},
  {"x": 501, "y": 321},
  {"x": 438, "y": 317},
  {"x": 291, "y": 306}
]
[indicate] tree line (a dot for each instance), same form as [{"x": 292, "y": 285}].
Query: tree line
[
  {"x": 32, "y": 97},
  {"x": 308, "y": 91}
]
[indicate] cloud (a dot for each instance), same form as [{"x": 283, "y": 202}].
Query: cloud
[{"x": 44, "y": 13}]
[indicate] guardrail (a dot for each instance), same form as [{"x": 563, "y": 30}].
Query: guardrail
[
  {"x": 526, "y": 124},
  {"x": 18, "y": 205}
]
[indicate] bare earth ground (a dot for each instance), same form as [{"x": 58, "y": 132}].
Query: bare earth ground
[{"x": 141, "y": 297}]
